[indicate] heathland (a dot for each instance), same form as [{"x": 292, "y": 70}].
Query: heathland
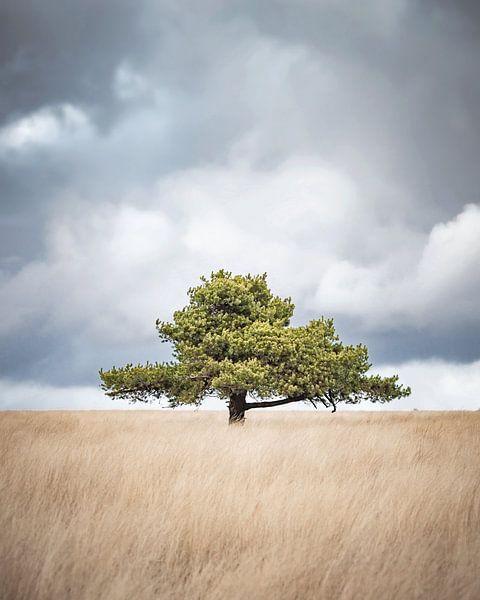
[{"x": 175, "y": 505}]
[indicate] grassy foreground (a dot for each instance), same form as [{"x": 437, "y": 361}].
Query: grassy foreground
[{"x": 163, "y": 504}]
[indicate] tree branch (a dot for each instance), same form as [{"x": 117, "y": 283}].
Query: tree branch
[
  {"x": 270, "y": 403},
  {"x": 331, "y": 398},
  {"x": 324, "y": 402}
]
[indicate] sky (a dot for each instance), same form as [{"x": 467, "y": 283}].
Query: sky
[{"x": 333, "y": 145}]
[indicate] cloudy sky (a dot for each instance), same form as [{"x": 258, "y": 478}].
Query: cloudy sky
[{"x": 333, "y": 144}]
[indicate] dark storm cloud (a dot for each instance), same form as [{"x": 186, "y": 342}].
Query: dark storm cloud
[
  {"x": 413, "y": 87},
  {"x": 144, "y": 109},
  {"x": 54, "y": 52}
]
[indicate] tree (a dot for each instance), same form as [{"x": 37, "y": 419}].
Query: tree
[{"x": 234, "y": 340}]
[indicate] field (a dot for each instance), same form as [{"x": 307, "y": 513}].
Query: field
[{"x": 160, "y": 504}]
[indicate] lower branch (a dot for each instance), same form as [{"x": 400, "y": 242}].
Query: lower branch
[
  {"x": 332, "y": 401},
  {"x": 324, "y": 402},
  {"x": 270, "y": 403}
]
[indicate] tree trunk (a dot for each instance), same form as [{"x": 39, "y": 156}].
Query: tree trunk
[{"x": 236, "y": 408}]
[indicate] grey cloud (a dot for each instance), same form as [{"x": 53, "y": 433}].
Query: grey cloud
[
  {"x": 54, "y": 52},
  {"x": 408, "y": 97},
  {"x": 216, "y": 123},
  {"x": 109, "y": 271}
]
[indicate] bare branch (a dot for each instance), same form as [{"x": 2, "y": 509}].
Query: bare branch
[
  {"x": 270, "y": 403},
  {"x": 324, "y": 402}
]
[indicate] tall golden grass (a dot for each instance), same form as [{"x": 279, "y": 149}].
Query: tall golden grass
[{"x": 157, "y": 504}]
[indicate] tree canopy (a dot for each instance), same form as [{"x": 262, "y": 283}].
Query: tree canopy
[{"x": 233, "y": 340}]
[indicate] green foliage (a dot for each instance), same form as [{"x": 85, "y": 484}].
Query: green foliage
[{"x": 234, "y": 337}]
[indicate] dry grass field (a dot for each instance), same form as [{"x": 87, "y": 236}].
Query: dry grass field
[{"x": 160, "y": 504}]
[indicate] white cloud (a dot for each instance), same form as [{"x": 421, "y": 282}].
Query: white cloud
[
  {"x": 437, "y": 384},
  {"x": 45, "y": 127},
  {"x": 110, "y": 270},
  {"x": 102, "y": 274},
  {"x": 437, "y": 281},
  {"x": 448, "y": 274}
]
